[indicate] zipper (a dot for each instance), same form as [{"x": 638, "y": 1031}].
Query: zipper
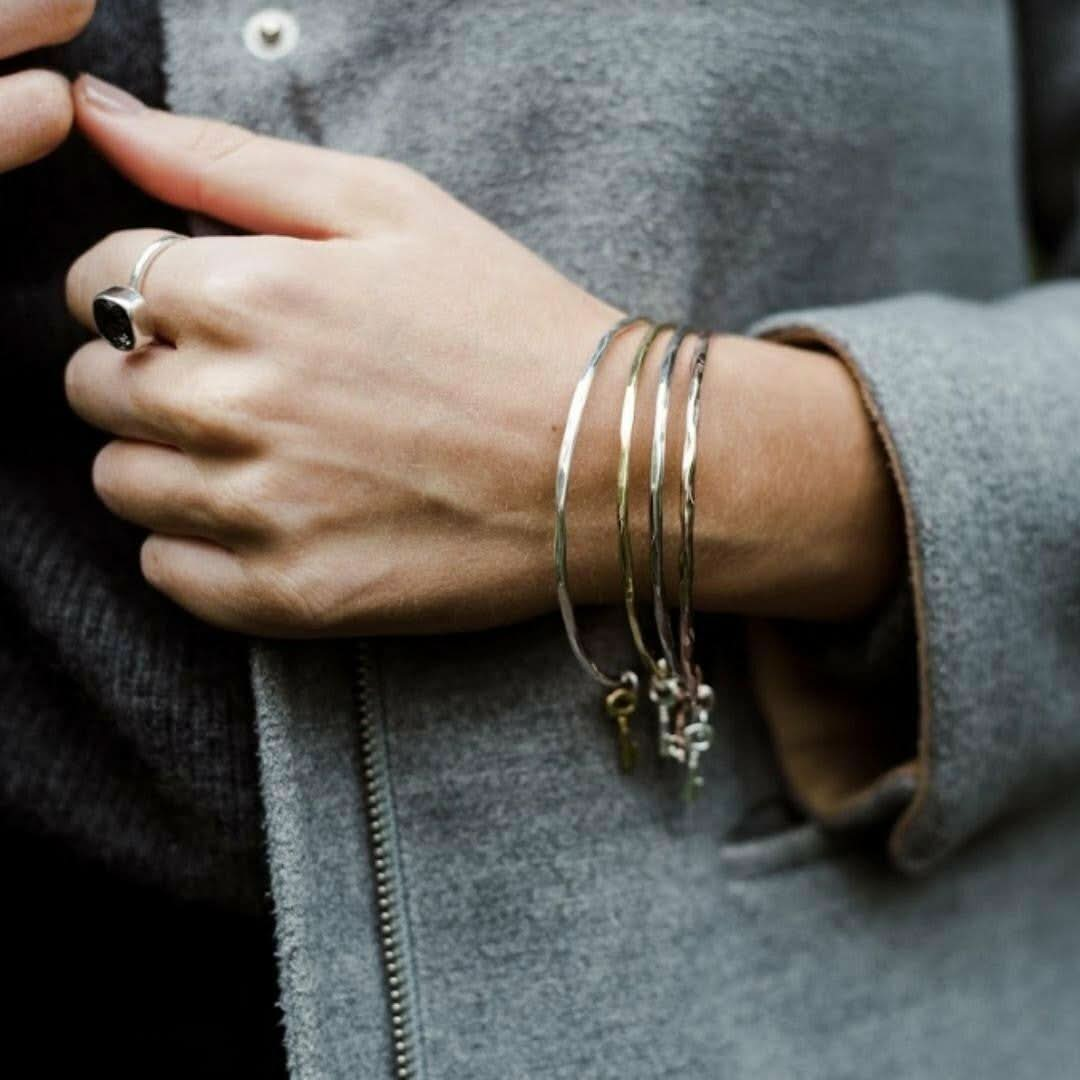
[{"x": 386, "y": 874}]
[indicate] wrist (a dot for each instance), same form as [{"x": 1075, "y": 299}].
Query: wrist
[{"x": 798, "y": 514}]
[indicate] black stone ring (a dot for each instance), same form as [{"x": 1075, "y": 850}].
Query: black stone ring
[{"x": 121, "y": 313}]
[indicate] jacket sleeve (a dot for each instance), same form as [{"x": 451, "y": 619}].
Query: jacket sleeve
[{"x": 960, "y": 702}]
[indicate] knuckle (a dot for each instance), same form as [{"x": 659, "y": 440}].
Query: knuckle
[
  {"x": 261, "y": 599},
  {"x": 215, "y": 406},
  {"x": 229, "y": 296},
  {"x": 240, "y": 500},
  {"x": 215, "y": 140},
  {"x": 147, "y": 404},
  {"x": 252, "y": 288},
  {"x": 222, "y": 298},
  {"x": 226, "y": 402},
  {"x": 195, "y": 422},
  {"x": 281, "y": 597},
  {"x": 198, "y": 422}
]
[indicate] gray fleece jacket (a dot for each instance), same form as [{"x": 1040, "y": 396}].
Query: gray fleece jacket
[{"x": 464, "y": 887}]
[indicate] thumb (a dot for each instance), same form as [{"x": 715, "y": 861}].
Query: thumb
[{"x": 254, "y": 182}]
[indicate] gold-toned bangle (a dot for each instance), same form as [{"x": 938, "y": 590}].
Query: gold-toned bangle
[
  {"x": 621, "y": 701},
  {"x": 657, "y": 668},
  {"x": 657, "y": 467}
]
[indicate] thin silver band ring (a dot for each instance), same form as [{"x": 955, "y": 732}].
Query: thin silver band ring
[{"x": 149, "y": 254}]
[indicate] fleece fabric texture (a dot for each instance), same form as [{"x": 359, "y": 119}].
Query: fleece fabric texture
[
  {"x": 336, "y": 1007},
  {"x": 726, "y": 164},
  {"x": 981, "y": 401}
]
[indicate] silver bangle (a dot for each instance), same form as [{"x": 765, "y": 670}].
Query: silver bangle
[
  {"x": 667, "y": 689},
  {"x": 621, "y": 702},
  {"x": 696, "y": 735}
]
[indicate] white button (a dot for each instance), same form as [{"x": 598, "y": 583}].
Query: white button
[{"x": 271, "y": 34}]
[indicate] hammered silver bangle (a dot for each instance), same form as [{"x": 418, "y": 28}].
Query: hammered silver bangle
[
  {"x": 562, "y": 490},
  {"x": 690, "y": 672},
  {"x": 697, "y": 735},
  {"x": 621, "y": 701},
  {"x": 657, "y": 466}
]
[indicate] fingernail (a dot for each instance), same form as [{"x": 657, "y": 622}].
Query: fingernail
[{"x": 103, "y": 95}]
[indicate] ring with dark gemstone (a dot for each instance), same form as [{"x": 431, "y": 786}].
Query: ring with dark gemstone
[
  {"x": 121, "y": 313},
  {"x": 122, "y": 318}
]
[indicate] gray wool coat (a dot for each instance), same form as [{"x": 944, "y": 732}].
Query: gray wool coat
[{"x": 464, "y": 887}]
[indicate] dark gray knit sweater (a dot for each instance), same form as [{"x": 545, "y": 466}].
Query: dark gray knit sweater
[
  {"x": 129, "y": 812},
  {"x": 125, "y": 730}
]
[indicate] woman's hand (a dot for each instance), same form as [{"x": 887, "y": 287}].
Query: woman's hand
[
  {"x": 35, "y": 105},
  {"x": 351, "y": 425}
]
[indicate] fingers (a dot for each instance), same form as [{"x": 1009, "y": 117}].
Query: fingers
[
  {"x": 210, "y": 551},
  {"x": 160, "y": 394},
  {"x": 221, "y": 587},
  {"x": 99, "y": 384},
  {"x": 254, "y": 182},
  {"x": 36, "y": 110},
  {"x": 225, "y": 290},
  {"x": 170, "y": 491},
  {"x": 35, "y": 116},
  {"x": 30, "y": 24},
  {"x": 202, "y": 576}
]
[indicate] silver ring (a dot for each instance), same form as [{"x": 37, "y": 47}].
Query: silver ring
[{"x": 121, "y": 313}]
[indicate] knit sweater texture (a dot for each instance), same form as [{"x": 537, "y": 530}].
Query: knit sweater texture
[
  {"x": 134, "y": 906},
  {"x": 126, "y": 730}
]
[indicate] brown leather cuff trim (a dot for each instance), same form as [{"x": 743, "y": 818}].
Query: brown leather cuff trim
[{"x": 833, "y": 743}]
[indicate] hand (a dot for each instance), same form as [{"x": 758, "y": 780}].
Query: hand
[
  {"x": 351, "y": 425},
  {"x": 35, "y": 105}
]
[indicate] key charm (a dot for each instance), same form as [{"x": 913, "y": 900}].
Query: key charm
[
  {"x": 665, "y": 692},
  {"x": 698, "y": 735},
  {"x": 620, "y": 705}
]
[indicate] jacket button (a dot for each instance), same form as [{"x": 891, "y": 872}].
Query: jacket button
[{"x": 271, "y": 34}]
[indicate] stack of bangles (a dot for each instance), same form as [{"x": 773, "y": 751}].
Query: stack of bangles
[{"x": 682, "y": 699}]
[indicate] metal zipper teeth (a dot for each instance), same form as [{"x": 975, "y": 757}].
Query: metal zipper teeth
[{"x": 385, "y": 873}]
